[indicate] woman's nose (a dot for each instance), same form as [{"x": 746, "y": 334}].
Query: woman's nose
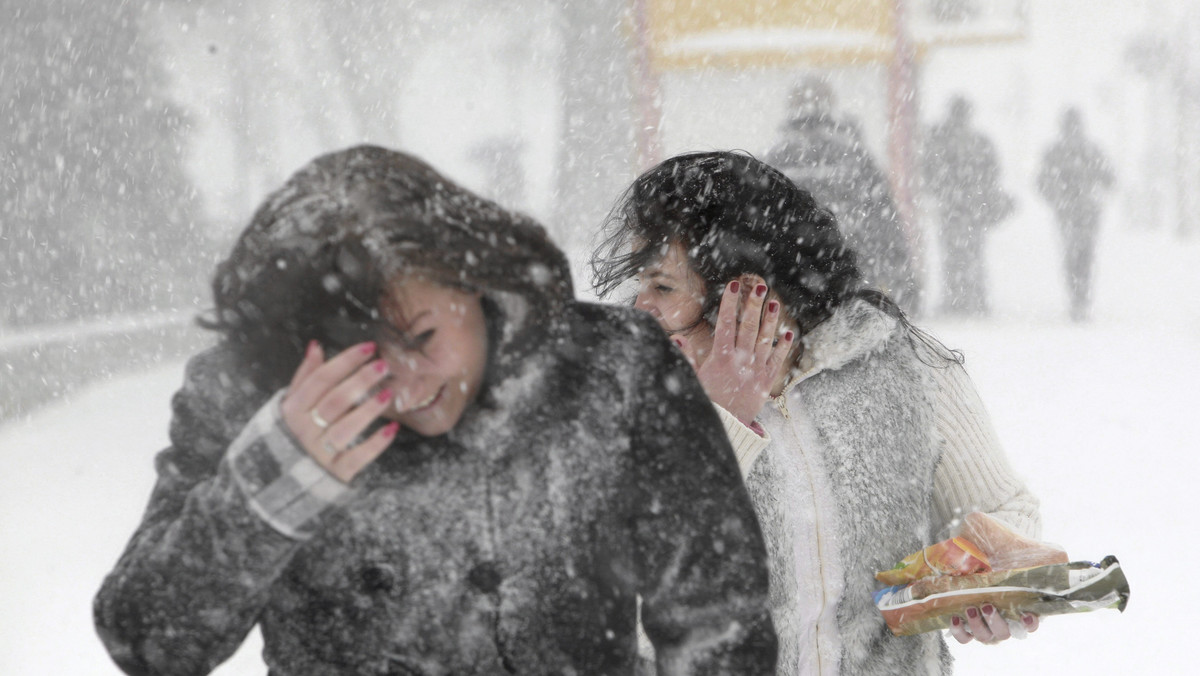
[
  {"x": 405, "y": 365},
  {"x": 646, "y": 305}
]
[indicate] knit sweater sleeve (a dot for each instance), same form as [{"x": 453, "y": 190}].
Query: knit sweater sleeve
[
  {"x": 974, "y": 474},
  {"x": 747, "y": 443}
]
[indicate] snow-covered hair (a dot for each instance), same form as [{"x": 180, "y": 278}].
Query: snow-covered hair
[
  {"x": 734, "y": 215},
  {"x": 314, "y": 261}
]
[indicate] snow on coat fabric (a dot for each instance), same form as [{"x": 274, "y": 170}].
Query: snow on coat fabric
[
  {"x": 592, "y": 469},
  {"x": 851, "y": 494}
]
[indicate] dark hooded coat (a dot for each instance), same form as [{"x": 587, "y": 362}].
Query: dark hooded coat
[{"x": 591, "y": 470}]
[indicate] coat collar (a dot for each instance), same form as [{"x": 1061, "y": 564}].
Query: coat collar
[{"x": 854, "y": 330}]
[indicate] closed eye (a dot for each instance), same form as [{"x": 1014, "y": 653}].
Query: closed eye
[{"x": 419, "y": 341}]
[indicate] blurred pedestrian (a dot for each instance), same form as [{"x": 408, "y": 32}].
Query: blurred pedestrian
[
  {"x": 1074, "y": 176},
  {"x": 962, "y": 175},
  {"x": 826, "y": 155}
]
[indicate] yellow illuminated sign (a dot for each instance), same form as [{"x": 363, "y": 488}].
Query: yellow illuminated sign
[{"x": 747, "y": 33}]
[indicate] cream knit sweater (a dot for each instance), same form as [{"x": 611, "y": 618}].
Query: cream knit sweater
[{"x": 973, "y": 472}]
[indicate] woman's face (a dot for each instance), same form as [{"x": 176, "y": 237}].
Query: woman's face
[
  {"x": 437, "y": 369},
  {"x": 671, "y": 291}
]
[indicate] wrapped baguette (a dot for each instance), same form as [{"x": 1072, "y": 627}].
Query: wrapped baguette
[
  {"x": 929, "y": 603},
  {"x": 988, "y": 562}
]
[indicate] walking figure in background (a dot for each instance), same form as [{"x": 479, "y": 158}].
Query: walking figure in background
[
  {"x": 962, "y": 174},
  {"x": 827, "y": 156},
  {"x": 1073, "y": 175}
]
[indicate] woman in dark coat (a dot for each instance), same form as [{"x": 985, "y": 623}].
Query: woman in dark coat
[{"x": 482, "y": 480}]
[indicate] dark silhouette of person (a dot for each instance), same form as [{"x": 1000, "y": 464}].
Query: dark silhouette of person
[
  {"x": 962, "y": 174},
  {"x": 1074, "y": 176},
  {"x": 826, "y": 155}
]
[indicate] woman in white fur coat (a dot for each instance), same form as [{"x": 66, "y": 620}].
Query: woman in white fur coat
[{"x": 862, "y": 439}]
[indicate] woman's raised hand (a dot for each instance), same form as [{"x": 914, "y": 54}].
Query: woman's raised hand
[
  {"x": 327, "y": 408},
  {"x": 746, "y": 358}
]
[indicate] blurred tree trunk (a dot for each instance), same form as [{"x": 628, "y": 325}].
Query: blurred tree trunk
[
  {"x": 372, "y": 47},
  {"x": 97, "y": 215},
  {"x": 597, "y": 156}
]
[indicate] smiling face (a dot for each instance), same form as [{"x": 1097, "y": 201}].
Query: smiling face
[
  {"x": 671, "y": 291},
  {"x": 438, "y": 364}
]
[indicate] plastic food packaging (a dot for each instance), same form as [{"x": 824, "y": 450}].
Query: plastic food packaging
[
  {"x": 990, "y": 563},
  {"x": 956, "y": 556},
  {"x": 930, "y": 603}
]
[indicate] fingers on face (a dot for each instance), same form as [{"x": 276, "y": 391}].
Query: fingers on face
[
  {"x": 346, "y": 464},
  {"x": 338, "y": 384},
  {"x": 313, "y": 357},
  {"x": 754, "y": 294},
  {"x": 740, "y": 318},
  {"x": 725, "y": 332},
  {"x": 781, "y": 350},
  {"x": 351, "y": 425}
]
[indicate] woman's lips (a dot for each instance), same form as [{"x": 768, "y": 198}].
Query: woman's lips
[{"x": 423, "y": 405}]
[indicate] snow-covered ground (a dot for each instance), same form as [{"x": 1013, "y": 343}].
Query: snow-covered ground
[{"x": 1097, "y": 417}]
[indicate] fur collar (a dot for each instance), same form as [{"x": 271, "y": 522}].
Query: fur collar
[{"x": 854, "y": 330}]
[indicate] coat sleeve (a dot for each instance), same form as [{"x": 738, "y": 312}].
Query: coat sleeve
[
  {"x": 974, "y": 474},
  {"x": 701, "y": 561},
  {"x": 215, "y": 535}
]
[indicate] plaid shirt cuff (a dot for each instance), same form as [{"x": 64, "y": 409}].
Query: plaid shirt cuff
[{"x": 281, "y": 482}]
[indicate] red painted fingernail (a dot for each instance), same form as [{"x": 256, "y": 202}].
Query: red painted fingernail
[
  {"x": 391, "y": 429},
  {"x": 384, "y": 395},
  {"x": 312, "y": 346},
  {"x": 972, "y": 613},
  {"x": 1027, "y": 619},
  {"x": 677, "y": 343},
  {"x": 760, "y": 290},
  {"x": 787, "y": 335},
  {"x": 380, "y": 366},
  {"x": 988, "y": 610},
  {"x": 734, "y": 286},
  {"x": 956, "y": 620},
  {"x": 367, "y": 347},
  {"x": 773, "y": 306}
]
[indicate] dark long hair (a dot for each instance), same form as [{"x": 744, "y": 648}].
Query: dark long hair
[
  {"x": 734, "y": 214},
  {"x": 314, "y": 261}
]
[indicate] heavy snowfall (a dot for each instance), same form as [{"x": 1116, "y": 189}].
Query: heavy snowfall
[{"x": 1095, "y": 410}]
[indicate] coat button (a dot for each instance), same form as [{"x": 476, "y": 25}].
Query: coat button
[
  {"x": 378, "y": 579},
  {"x": 485, "y": 577}
]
